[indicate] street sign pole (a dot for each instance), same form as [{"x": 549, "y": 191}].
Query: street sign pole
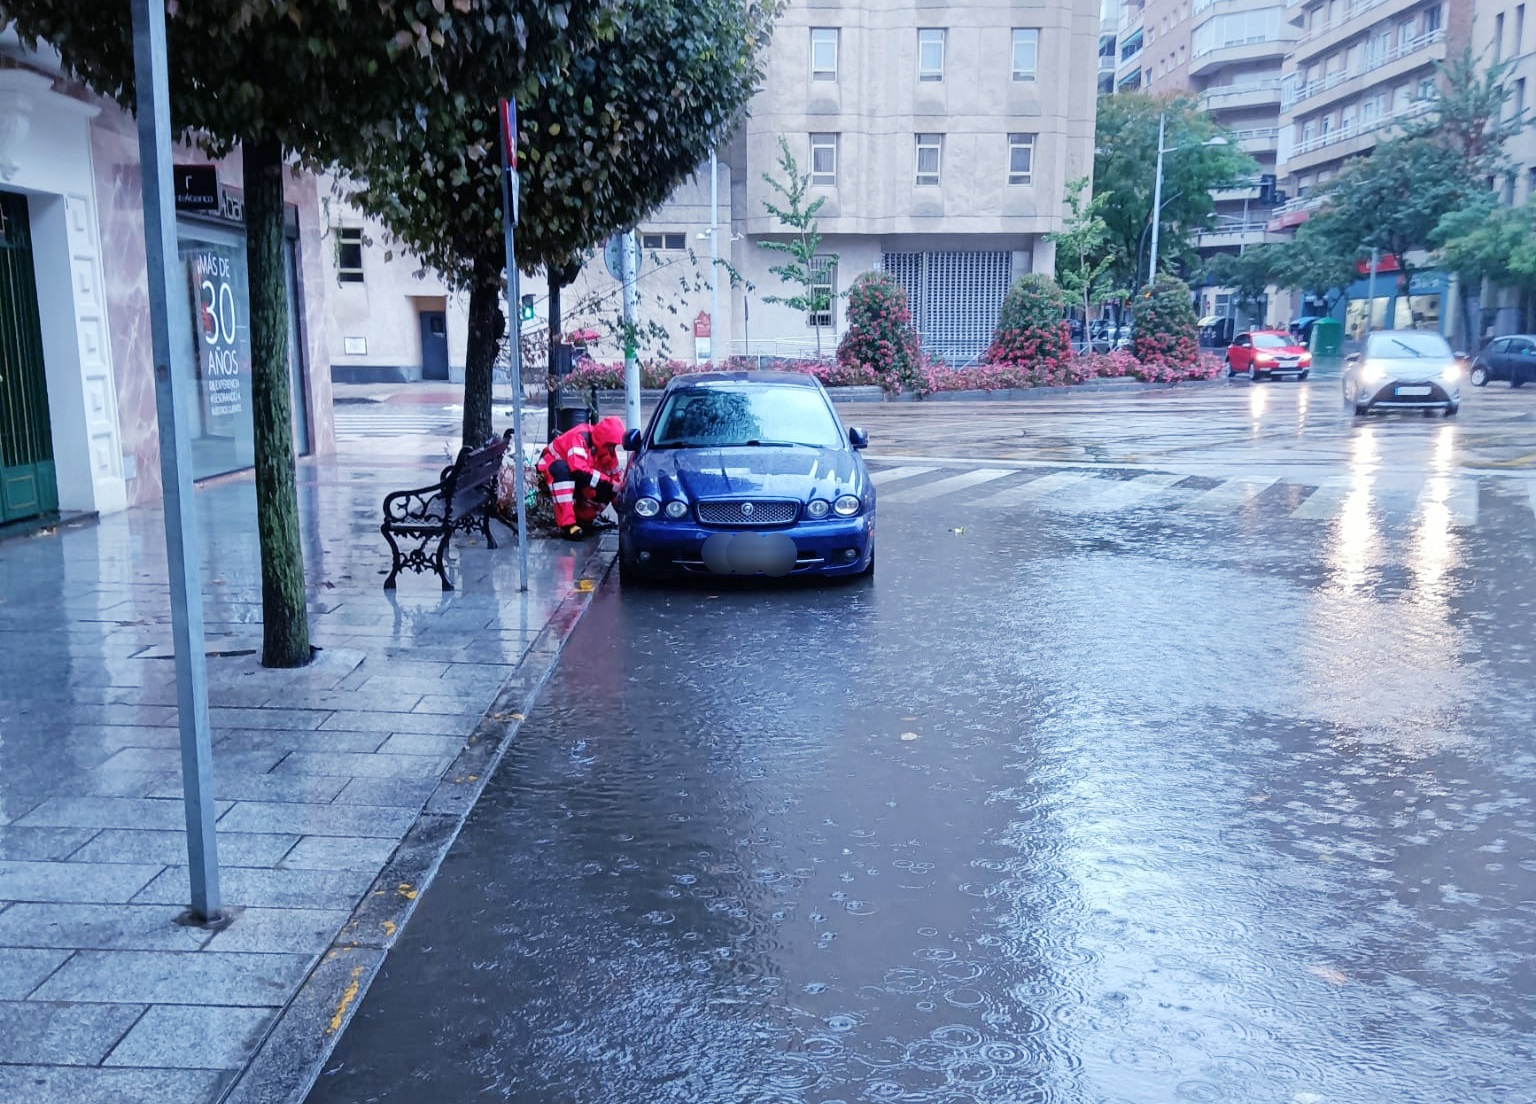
[
  {"x": 1370, "y": 303},
  {"x": 169, "y": 317},
  {"x": 509, "y": 200},
  {"x": 631, "y": 250}
]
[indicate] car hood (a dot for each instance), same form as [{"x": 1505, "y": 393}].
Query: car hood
[
  {"x": 1283, "y": 351},
  {"x": 756, "y": 471},
  {"x": 1413, "y": 368}
]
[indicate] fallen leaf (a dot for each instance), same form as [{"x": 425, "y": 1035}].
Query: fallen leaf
[
  {"x": 909, "y": 736},
  {"x": 584, "y": 585}
]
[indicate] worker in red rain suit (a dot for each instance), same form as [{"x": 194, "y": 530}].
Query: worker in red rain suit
[{"x": 581, "y": 469}]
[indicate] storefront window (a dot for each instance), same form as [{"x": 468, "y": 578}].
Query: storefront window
[
  {"x": 1418, "y": 312},
  {"x": 1355, "y": 317},
  {"x": 218, "y": 411}
]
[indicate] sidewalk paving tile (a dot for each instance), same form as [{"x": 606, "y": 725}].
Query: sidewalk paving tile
[
  {"x": 180, "y": 1036},
  {"x": 403, "y": 793},
  {"x": 249, "y": 739},
  {"x": 339, "y": 853},
  {"x": 23, "y": 969},
  {"x": 136, "y": 845},
  {"x": 419, "y": 743},
  {"x": 160, "y": 760},
  {"x": 75, "y": 881},
  {"x": 42, "y": 844},
  {"x": 166, "y": 977},
  {"x": 369, "y": 721},
  {"x": 275, "y": 888},
  {"x": 316, "y": 820},
  {"x": 62, "y": 1034},
  {"x": 259, "y": 787},
  {"x": 238, "y": 717},
  {"x": 306, "y": 931},
  {"x": 98, "y": 927},
  {"x": 108, "y": 812},
  {"x": 77, "y": 1085},
  {"x": 376, "y": 765}
]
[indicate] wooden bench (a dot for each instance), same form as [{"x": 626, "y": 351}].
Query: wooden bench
[{"x": 464, "y": 498}]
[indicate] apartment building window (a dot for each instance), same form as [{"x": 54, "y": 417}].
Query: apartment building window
[
  {"x": 349, "y": 254},
  {"x": 1426, "y": 89},
  {"x": 930, "y": 54},
  {"x": 1432, "y": 19},
  {"x": 824, "y": 159},
  {"x": 1026, "y": 53},
  {"x": 674, "y": 242},
  {"x": 1021, "y": 158},
  {"x": 1517, "y": 102},
  {"x": 930, "y": 152},
  {"x": 1347, "y": 120},
  {"x": 1498, "y": 38},
  {"x": 824, "y": 284},
  {"x": 1519, "y": 29},
  {"x": 1404, "y": 32},
  {"x": 824, "y": 53}
]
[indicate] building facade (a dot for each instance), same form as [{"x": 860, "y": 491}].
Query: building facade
[
  {"x": 78, "y": 423},
  {"x": 1500, "y": 33},
  {"x": 939, "y": 139}
]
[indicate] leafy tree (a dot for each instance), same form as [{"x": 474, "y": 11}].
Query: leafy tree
[
  {"x": 1030, "y": 327},
  {"x": 1083, "y": 256},
  {"x": 1490, "y": 242},
  {"x": 1249, "y": 274},
  {"x": 319, "y": 79},
  {"x": 1468, "y": 116},
  {"x": 1125, "y": 167},
  {"x": 880, "y": 336},
  {"x": 643, "y": 91},
  {"x": 1167, "y": 331},
  {"x": 806, "y": 266},
  {"x": 1392, "y": 200}
]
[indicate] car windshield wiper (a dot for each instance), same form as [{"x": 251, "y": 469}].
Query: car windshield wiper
[
  {"x": 755, "y": 443},
  {"x": 1405, "y": 345}
]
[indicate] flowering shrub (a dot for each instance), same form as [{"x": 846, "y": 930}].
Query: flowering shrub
[
  {"x": 880, "y": 338},
  {"x": 1120, "y": 364},
  {"x": 1167, "y": 331},
  {"x": 1031, "y": 332}
]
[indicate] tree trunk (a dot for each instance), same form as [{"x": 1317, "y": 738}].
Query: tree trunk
[
  {"x": 486, "y": 326},
  {"x": 284, "y": 616},
  {"x": 554, "y": 350}
]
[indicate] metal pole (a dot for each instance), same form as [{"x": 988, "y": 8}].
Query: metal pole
[
  {"x": 714, "y": 252},
  {"x": 631, "y": 360},
  {"x": 169, "y": 315},
  {"x": 509, "y": 190},
  {"x": 1157, "y": 200}
]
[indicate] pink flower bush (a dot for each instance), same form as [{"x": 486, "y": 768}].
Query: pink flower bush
[
  {"x": 1030, "y": 327},
  {"x": 1167, "y": 332},
  {"x": 880, "y": 338}
]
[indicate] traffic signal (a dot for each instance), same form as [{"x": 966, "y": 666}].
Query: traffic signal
[{"x": 527, "y": 311}]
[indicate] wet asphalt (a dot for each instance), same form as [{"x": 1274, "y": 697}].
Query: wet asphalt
[{"x": 1147, "y": 804}]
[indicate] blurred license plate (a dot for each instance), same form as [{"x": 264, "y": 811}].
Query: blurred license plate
[{"x": 1407, "y": 391}]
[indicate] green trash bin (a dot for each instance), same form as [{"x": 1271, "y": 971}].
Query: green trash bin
[{"x": 1327, "y": 337}]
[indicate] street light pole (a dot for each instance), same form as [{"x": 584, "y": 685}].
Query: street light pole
[
  {"x": 714, "y": 253},
  {"x": 1157, "y": 198}
]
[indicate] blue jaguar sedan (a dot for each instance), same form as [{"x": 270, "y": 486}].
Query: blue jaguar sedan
[{"x": 745, "y": 473}]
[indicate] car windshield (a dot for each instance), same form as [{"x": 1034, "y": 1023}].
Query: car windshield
[
  {"x": 721, "y": 417},
  {"x": 1400, "y": 345},
  {"x": 1270, "y": 341}
]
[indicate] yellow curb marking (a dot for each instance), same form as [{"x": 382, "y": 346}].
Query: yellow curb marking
[{"x": 347, "y": 997}]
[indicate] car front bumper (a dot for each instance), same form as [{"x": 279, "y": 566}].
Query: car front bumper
[
  {"x": 1431, "y": 394},
  {"x": 834, "y": 546}
]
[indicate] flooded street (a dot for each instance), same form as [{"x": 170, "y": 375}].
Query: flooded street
[{"x": 1114, "y": 786}]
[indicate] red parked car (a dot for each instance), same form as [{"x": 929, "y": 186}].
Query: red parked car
[{"x": 1267, "y": 353}]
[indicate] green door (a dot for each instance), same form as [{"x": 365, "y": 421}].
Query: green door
[{"x": 27, "y": 484}]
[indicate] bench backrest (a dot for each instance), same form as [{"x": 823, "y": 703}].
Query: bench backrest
[{"x": 469, "y": 482}]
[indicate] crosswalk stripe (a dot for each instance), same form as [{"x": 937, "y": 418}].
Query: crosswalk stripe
[
  {"x": 1322, "y": 503},
  {"x": 1107, "y": 495},
  {"x": 1457, "y": 497},
  {"x": 1231, "y": 495},
  {"x": 892, "y": 475},
  {"x": 1035, "y": 488},
  {"x": 948, "y": 486},
  {"x": 1531, "y": 490}
]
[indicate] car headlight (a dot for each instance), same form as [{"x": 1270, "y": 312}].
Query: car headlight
[
  {"x": 1451, "y": 374},
  {"x": 677, "y": 508},
  {"x": 647, "y": 507},
  {"x": 1372, "y": 373},
  {"x": 817, "y": 508},
  {"x": 847, "y": 505}
]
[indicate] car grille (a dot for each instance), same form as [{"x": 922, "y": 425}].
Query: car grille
[{"x": 749, "y": 512}]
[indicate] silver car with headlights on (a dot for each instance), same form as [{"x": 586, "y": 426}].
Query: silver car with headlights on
[{"x": 1404, "y": 370}]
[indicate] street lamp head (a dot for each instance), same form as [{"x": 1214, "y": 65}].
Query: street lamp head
[{"x": 1218, "y": 141}]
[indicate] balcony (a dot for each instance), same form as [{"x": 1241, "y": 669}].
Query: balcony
[
  {"x": 1234, "y": 52},
  {"x": 1364, "y": 127},
  {"x": 1265, "y": 93},
  {"x": 1230, "y": 234},
  {"x": 1346, "y": 13},
  {"x": 1301, "y": 93},
  {"x": 1257, "y": 139}
]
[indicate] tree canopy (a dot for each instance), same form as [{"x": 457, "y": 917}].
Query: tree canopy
[{"x": 1125, "y": 167}]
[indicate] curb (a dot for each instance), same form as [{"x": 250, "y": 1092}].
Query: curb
[
  {"x": 290, "y": 1059},
  {"x": 615, "y": 399}
]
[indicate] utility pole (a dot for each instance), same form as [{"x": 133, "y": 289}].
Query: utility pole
[
  {"x": 1157, "y": 199},
  {"x": 630, "y": 254},
  {"x": 509, "y": 200},
  {"x": 169, "y": 323}
]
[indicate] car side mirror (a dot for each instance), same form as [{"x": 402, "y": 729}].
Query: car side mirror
[
  {"x": 1352, "y": 358},
  {"x": 632, "y": 439},
  {"x": 858, "y": 438}
]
